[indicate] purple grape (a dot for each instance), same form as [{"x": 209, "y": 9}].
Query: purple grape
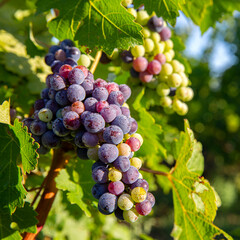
[
  {"x": 90, "y": 76},
  {"x": 56, "y": 66},
  {"x": 134, "y": 73},
  {"x": 144, "y": 208},
  {"x": 99, "y": 189},
  {"x": 59, "y": 129},
  {"x": 117, "y": 109},
  {"x": 67, "y": 43},
  {"x": 108, "y": 203},
  {"x": 38, "y": 127},
  {"x": 52, "y": 105},
  {"x": 165, "y": 34},
  {"x": 90, "y": 104},
  {"x": 51, "y": 93},
  {"x": 82, "y": 153},
  {"x": 60, "y": 55},
  {"x": 37, "y": 138},
  {"x": 122, "y": 122},
  {"x": 71, "y": 120},
  {"x": 27, "y": 122},
  {"x": 108, "y": 113},
  {"x": 76, "y": 76},
  {"x": 125, "y": 111},
  {"x": 122, "y": 163},
  {"x": 73, "y": 53},
  {"x": 130, "y": 176},
  {"x": 84, "y": 115},
  {"x": 155, "y": 24},
  {"x": 44, "y": 93},
  {"x": 134, "y": 126},
  {"x": 116, "y": 188},
  {"x": 126, "y": 56},
  {"x": 50, "y": 140},
  {"x": 57, "y": 82},
  {"x": 99, "y": 83},
  {"x": 39, "y": 104},
  {"x": 100, "y": 174},
  {"x": 116, "y": 98},
  {"x": 43, "y": 150},
  {"x": 104, "y": 58},
  {"x": 78, "y": 139},
  {"x": 35, "y": 115},
  {"x": 113, "y": 134},
  {"x": 102, "y": 211},
  {"x": 66, "y": 110},
  {"x": 61, "y": 98},
  {"x": 48, "y": 80},
  {"x": 54, "y": 48},
  {"x": 98, "y": 164},
  {"x": 119, "y": 214},
  {"x": 94, "y": 123},
  {"x": 70, "y": 62},
  {"x": 140, "y": 183},
  {"x": 100, "y": 93},
  {"x": 108, "y": 153},
  {"x": 151, "y": 198},
  {"x": 126, "y": 91},
  {"x": 49, "y": 58},
  {"x": 88, "y": 86},
  {"x": 90, "y": 139},
  {"x": 75, "y": 93}
]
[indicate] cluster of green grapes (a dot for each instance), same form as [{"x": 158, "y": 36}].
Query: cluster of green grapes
[{"x": 153, "y": 63}]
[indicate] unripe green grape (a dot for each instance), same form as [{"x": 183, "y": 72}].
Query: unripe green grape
[
  {"x": 176, "y": 66},
  {"x": 146, "y": 32},
  {"x": 45, "y": 115},
  {"x": 177, "y": 105},
  {"x": 114, "y": 175},
  {"x": 158, "y": 48},
  {"x": 182, "y": 68},
  {"x": 169, "y": 44},
  {"x": 142, "y": 17},
  {"x": 136, "y": 162},
  {"x": 125, "y": 202},
  {"x": 140, "y": 176},
  {"x": 155, "y": 37},
  {"x": 126, "y": 66},
  {"x": 130, "y": 215},
  {"x": 165, "y": 101},
  {"x": 132, "y": 11},
  {"x": 138, "y": 194},
  {"x": 84, "y": 60},
  {"x": 184, "y": 93},
  {"x": 138, "y": 51},
  {"x": 183, "y": 110},
  {"x": 168, "y": 56},
  {"x": 162, "y": 77},
  {"x": 172, "y": 53},
  {"x": 174, "y": 80},
  {"x": 148, "y": 45},
  {"x": 115, "y": 54},
  {"x": 167, "y": 69},
  {"x": 190, "y": 94},
  {"x": 184, "y": 78},
  {"x": 125, "y": 3},
  {"x": 163, "y": 89}
]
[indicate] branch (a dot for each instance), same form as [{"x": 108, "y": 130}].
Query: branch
[
  {"x": 154, "y": 172},
  {"x": 96, "y": 61},
  {"x": 49, "y": 194}
]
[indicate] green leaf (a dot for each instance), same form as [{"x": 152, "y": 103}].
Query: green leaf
[
  {"x": 195, "y": 201},
  {"x": 5, "y": 113},
  {"x": 77, "y": 181},
  {"x": 97, "y": 24}
]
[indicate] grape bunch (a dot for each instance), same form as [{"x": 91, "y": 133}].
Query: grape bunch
[
  {"x": 65, "y": 53},
  {"x": 153, "y": 63},
  {"x": 94, "y": 117}
]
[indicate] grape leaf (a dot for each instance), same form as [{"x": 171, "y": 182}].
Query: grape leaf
[
  {"x": 93, "y": 23},
  {"x": 77, "y": 181},
  {"x": 168, "y": 9},
  {"x": 4, "y": 113},
  {"x": 195, "y": 201},
  {"x": 22, "y": 220}
]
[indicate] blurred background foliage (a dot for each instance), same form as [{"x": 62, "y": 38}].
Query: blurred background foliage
[{"x": 214, "y": 115}]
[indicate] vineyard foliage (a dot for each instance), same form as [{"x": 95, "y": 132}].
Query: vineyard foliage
[{"x": 26, "y": 31}]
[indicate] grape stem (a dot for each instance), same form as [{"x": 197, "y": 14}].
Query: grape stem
[
  {"x": 50, "y": 191},
  {"x": 155, "y": 172},
  {"x": 96, "y": 61}
]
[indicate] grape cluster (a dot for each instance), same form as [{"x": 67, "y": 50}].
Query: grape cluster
[
  {"x": 94, "y": 117},
  {"x": 65, "y": 53},
  {"x": 153, "y": 63}
]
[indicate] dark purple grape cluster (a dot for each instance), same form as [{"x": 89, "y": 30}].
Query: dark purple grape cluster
[{"x": 94, "y": 117}]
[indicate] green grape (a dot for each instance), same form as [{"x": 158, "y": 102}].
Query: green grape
[
  {"x": 176, "y": 66},
  {"x": 184, "y": 93},
  {"x": 130, "y": 215},
  {"x": 146, "y": 32},
  {"x": 114, "y": 175},
  {"x": 125, "y": 3},
  {"x": 182, "y": 68},
  {"x": 125, "y": 202},
  {"x": 177, "y": 105},
  {"x": 138, "y": 194},
  {"x": 142, "y": 17},
  {"x": 136, "y": 162},
  {"x": 167, "y": 69},
  {"x": 169, "y": 44},
  {"x": 132, "y": 11},
  {"x": 184, "y": 78},
  {"x": 123, "y": 149},
  {"x": 158, "y": 48},
  {"x": 165, "y": 101},
  {"x": 183, "y": 110},
  {"x": 115, "y": 54},
  {"x": 138, "y": 51},
  {"x": 148, "y": 45},
  {"x": 163, "y": 89},
  {"x": 155, "y": 37},
  {"x": 84, "y": 60},
  {"x": 126, "y": 66},
  {"x": 140, "y": 176},
  {"x": 45, "y": 115},
  {"x": 171, "y": 52},
  {"x": 162, "y": 77},
  {"x": 174, "y": 80},
  {"x": 168, "y": 56}
]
